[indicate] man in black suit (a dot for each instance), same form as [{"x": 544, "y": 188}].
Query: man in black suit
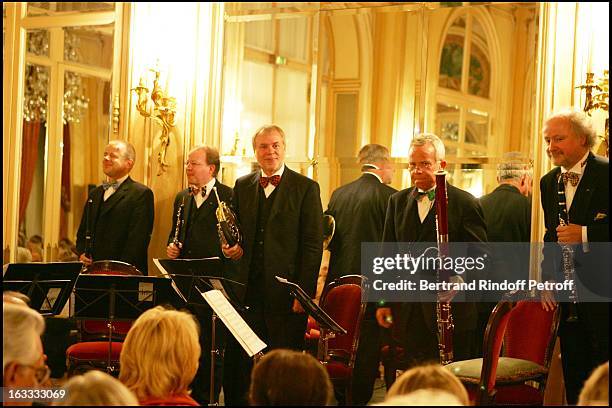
[
  {"x": 118, "y": 216},
  {"x": 410, "y": 217},
  {"x": 582, "y": 180},
  {"x": 359, "y": 211},
  {"x": 280, "y": 213},
  {"x": 195, "y": 236},
  {"x": 507, "y": 213}
]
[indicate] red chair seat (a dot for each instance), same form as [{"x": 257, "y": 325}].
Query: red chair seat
[
  {"x": 337, "y": 370},
  {"x": 94, "y": 350}
]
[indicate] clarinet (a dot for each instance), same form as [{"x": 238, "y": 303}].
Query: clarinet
[
  {"x": 179, "y": 222},
  {"x": 569, "y": 274},
  {"x": 444, "y": 316}
]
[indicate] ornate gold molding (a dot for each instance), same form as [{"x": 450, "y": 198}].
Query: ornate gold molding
[{"x": 163, "y": 110}]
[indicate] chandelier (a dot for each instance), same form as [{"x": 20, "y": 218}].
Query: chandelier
[{"x": 37, "y": 81}]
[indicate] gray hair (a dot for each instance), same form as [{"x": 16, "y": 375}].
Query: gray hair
[
  {"x": 130, "y": 152},
  {"x": 266, "y": 129},
  {"x": 513, "y": 167},
  {"x": 96, "y": 388},
  {"x": 373, "y": 153},
  {"x": 22, "y": 328},
  {"x": 424, "y": 138},
  {"x": 580, "y": 124}
]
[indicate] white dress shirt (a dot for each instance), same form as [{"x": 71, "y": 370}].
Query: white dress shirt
[
  {"x": 270, "y": 187},
  {"x": 570, "y": 190},
  {"x": 111, "y": 190},
  {"x": 198, "y": 197}
]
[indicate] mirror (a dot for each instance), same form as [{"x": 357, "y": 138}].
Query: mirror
[
  {"x": 384, "y": 74},
  {"x": 83, "y": 71}
]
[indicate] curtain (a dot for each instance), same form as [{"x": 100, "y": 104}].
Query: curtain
[
  {"x": 65, "y": 193},
  {"x": 29, "y": 159}
]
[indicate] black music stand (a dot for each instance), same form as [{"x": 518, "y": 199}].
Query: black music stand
[
  {"x": 193, "y": 277},
  {"x": 48, "y": 285},
  {"x": 114, "y": 298},
  {"x": 328, "y": 325}
]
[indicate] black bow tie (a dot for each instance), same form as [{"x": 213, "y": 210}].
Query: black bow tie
[
  {"x": 194, "y": 191},
  {"x": 108, "y": 184}
]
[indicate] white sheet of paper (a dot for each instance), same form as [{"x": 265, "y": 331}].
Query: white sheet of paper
[{"x": 234, "y": 322}]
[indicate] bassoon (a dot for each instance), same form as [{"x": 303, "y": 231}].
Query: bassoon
[{"x": 444, "y": 315}]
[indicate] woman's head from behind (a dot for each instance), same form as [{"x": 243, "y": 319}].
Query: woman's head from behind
[
  {"x": 96, "y": 388},
  {"x": 285, "y": 377},
  {"x": 431, "y": 376},
  {"x": 160, "y": 354}
]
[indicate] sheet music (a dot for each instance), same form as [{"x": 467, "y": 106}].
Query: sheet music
[
  {"x": 167, "y": 275},
  {"x": 234, "y": 322}
]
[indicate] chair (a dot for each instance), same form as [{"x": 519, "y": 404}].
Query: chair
[
  {"x": 527, "y": 333},
  {"x": 99, "y": 347},
  {"x": 344, "y": 301}
]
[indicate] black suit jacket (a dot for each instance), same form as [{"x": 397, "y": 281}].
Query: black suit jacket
[
  {"x": 359, "y": 210},
  {"x": 293, "y": 235},
  {"x": 507, "y": 214},
  {"x": 465, "y": 224},
  {"x": 590, "y": 208},
  {"x": 207, "y": 231},
  {"x": 121, "y": 228}
]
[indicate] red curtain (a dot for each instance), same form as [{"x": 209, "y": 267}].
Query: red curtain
[{"x": 29, "y": 159}]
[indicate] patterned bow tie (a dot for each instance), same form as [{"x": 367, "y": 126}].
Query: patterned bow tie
[
  {"x": 274, "y": 180},
  {"x": 431, "y": 194},
  {"x": 573, "y": 178},
  {"x": 108, "y": 184},
  {"x": 194, "y": 191}
]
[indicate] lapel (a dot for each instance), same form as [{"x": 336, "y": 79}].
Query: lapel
[
  {"x": 583, "y": 194},
  {"x": 211, "y": 202},
  {"x": 284, "y": 193},
  {"x": 410, "y": 210},
  {"x": 96, "y": 202},
  {"x": 117, "y": 196},
  {"x": 249, "y": 202}
]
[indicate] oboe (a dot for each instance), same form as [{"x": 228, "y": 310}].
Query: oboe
[
  {"x": 444, "y": 315},
  {"x": 179, "y": 222}
]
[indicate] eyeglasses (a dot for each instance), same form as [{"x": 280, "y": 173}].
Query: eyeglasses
[
  {"x": 41, "y": 374},
  {"x": 193, "y": 164},
  {"x": 421, "y": 165}
]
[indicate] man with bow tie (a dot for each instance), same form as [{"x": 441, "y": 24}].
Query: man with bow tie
[
  {"x": 280, "y": 213},
  {"x": 411, "y": 217},
  {"x": 118, "y": 215},
  {"x": 196, "y": 237},
  {"x": 577, "y": 191}
]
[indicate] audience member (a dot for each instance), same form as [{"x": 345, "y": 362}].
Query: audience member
[
  {"x": 23, "y": 359},
  {"x": 67, "y": 251},
  {"x": 15, "y": 298},
  {"x": 35, "y": 246},
  {"x": 595, "y": 390},
  {"x": 23, "y": 255},
  {"x": 426, "y": 397},
  {"x": 285, "y": 377},
  {"x": 160, "y": 357},
  {"x": 432, "y": 376},
  {"x": 96, "y": 388}
]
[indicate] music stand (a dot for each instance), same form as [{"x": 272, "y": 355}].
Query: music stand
[
  {"x": 48, "y": 285},
  {"x": 114, "y": 298},
  {"x": 191, "y": 278},
  {"x": 329, "y": 327}
]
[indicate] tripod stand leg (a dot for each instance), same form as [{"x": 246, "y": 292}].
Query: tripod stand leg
[{"x": 213, "y": 352}]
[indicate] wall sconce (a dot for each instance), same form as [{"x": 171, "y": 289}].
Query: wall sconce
[
  {"x": 596, "y": 97},
  {"x": 163, "y": 109}
]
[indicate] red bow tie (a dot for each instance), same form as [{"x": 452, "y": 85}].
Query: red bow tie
[
  {"x": 274, "y": 180},
  {"x": 194, "y": 191}
]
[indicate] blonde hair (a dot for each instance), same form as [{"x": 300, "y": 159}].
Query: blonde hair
[
  {"x": 161, "y": 353},
  {"x": 595, "y": 390},
  {"x": 96, "y": 388},
  {"x": 579, "y": 122},
  {"x": 267, "y": 129},
  {"x": 426, "y": 397},
  {"x": 432, "y": 376}
]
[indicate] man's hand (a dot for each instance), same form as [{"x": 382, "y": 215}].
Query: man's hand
[
  {"x": 569, "y": 234},
  {"x": 547, "y": 298},
  {"x": 83, "y": 258},
  {"x": 384, "y": 317},
  {"x": 234, "y": 252},
  {"x": 447, "y": 295},
  {"x": 297, "y": 307},
  {"x": 172, "y": 251}
]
